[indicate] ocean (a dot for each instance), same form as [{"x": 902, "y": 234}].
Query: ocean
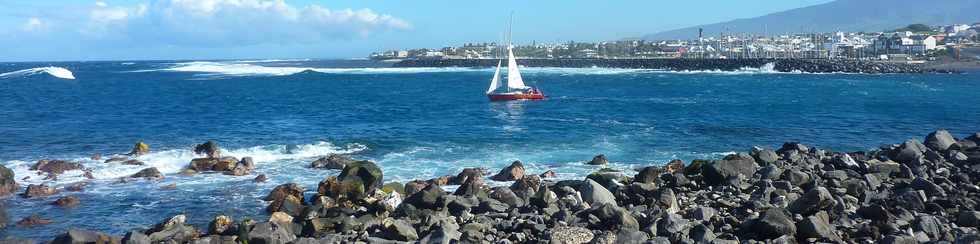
[{"x": 416, "y": 123}]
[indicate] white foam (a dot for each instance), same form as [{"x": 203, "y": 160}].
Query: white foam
[
  {"x": 174, "y": 160},
  {"x": 245, "y": 68},
  {"x": 57, "y": 72}
]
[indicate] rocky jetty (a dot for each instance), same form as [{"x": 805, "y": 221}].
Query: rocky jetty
[
  {"x": 781, "y": 65},
  {"x": 912, "y": 192}
]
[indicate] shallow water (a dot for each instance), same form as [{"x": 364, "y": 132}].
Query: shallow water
[{"x": 418, "y": 123}]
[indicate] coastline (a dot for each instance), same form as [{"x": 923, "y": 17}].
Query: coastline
[
  {"x": 779, "y": 65},
  {"x": 909, "y": 192}
]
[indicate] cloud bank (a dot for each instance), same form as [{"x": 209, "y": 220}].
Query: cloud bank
[{"x": 206, "y": 23}]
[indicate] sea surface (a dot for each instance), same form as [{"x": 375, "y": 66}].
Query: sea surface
[{"x": 416, "y": 123}]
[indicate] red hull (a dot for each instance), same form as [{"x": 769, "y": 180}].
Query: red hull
[{"x": 510, "y": 97}]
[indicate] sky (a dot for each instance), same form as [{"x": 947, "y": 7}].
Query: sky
[{"x": 72, "y": 30}]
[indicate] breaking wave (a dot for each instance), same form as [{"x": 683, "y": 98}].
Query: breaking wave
[
  {"x": 57, "y": 72},
  {"x": 253, "y": 69},
  {"x": 174, "y": 160}
]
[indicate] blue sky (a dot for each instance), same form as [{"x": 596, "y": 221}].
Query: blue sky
[{"x": 33, "y": 30}]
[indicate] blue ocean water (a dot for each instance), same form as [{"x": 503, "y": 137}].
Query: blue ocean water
[{"x": 417, "y": 123}]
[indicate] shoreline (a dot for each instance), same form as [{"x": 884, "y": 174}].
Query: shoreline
[
  {"x": 908, "y": 192},
  {"x": 779, "y": 65}
]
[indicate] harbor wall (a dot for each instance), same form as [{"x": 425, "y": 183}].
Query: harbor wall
[{"x": 781, "y": 65}]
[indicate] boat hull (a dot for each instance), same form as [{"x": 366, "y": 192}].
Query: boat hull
[{"x": 519, "y": 96}]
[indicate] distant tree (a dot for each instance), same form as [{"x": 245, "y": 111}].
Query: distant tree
[{"x": 915, "y": 28}]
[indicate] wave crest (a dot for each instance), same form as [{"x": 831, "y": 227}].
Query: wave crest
[{"x": 57, "y": 72}]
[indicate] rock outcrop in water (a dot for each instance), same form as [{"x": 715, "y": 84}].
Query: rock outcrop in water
[
  {"x": 8, "y": 181},
  {"x": 911, "y": 192}
]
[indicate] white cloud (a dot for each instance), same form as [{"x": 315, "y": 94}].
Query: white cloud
[
  {"x": 32, "y": 24},
  {"x": 213, "y": 23}
]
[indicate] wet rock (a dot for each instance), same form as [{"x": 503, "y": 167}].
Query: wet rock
[
  {"x": 548, "y": 174},
  {"x": 8, "y": 183},
  {"x": 511, "y": 173},
  {"x": 595, "y": 194},
  {"x": 38, "y": 191},
  {"x": 939, "y": 140},
  {"x": 260, "y": 179},
  {"x": 333, "y": 161},
  {"x": 33, "y": 220},
  {"x": 78, "y": 186},
  {"x": 527, "y": 185},
  {"x": 221, "y": 225},
  {"x": 67, "y": 201},
  {"x": 570, "y": 235},
  {"x": 149, "y": 173},
  {"x": 611, "y": 217},
  {"x": 506, "y": 196},
  {"x": 56, "y": 167},
  {"x": 140, "y": 149},
  {"x": 75, "y": 236},
  {"x": 718, "y": 172},
  {"x": 764, "y": 157},
  {"x": 472, "y": 187},
  {"x": 225, "y": 164},
  {"x": 599, "y": 160},
  {"x": 359, "y": 179},
  {"x": 242, "y": 167},
  {"x": 772, "y": 224},
  {"x": 286, "y": 198},
  {"x": 209, "y": 149}
]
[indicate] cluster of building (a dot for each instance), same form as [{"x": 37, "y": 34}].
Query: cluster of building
[{"x": 903, "y": 44}]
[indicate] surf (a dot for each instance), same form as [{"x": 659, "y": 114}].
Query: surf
[{"x": 57, "y": 72}]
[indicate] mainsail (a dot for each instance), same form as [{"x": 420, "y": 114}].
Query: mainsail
[
  {"x": 514, "y": 80},
  {"x": 495, "y": 82}
]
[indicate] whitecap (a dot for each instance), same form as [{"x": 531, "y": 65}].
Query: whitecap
[
  {"x": 239, "y": 68},
  {"x": 57, "y": 72}
]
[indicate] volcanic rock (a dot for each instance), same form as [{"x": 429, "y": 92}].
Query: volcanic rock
[
  {"x": 140, "y": 149},
  {"x": 55, "y": 167},
  {"x": 39, "y": 191},
  {"x": 599, "y": 160},
  {"x": 209, "y": 149},
  {"x": 67, "y": 201},
  {"x": 511, "y": 173},
  {"x": 332, "y": 161},
  {"x": 8, "y": 183}
]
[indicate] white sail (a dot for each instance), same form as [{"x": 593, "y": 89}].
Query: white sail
[
  {"x": 514, "y": 80},
  {"x": 495, "y": 82}
]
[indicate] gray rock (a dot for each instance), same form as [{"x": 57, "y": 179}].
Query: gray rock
[
  {"x": 908, "y": 152},
  {"x": 893, "y": 239},
  {"x": 594, "y": 194},
  {"x": 816, "y": 226},
  {"x": 631, "y": 237},
  {"x": 135, "y": 237},
  {"x": 939, "y": 140},
  {"x": 443, "y": 234},
  {"x": 811, "y": 202},
  {"x": 75, "y": 236},
  {"x": 270, "y": 233},
  {"x": 765, "y": 157},
  {"x": 511, "y": 173},
  {"x": 400, "y": 230},
  {"x": 428, "y": 198},
  {"x": 718, "y": 172}
]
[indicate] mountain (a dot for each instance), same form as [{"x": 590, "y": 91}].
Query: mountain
[{"x": 842, "y": 15}]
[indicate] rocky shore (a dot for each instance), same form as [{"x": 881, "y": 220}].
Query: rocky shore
[
  {"x": 913, "y": 192},
  {"x": 781, "y": 65}
]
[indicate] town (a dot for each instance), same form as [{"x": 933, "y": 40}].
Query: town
[{"x": 916, "y": 42}]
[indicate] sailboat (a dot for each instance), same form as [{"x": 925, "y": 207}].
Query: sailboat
[{"x": 515, "y": 89}]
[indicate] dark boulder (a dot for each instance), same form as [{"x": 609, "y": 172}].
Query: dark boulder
[
  {"x": 56, "y": 167},
  {"x": 511, "y": 173},
  {"x": 465, "y": 175},
  {"x": 611, "y": 217},
  {"x": 135, "y": 237},
  {"x": 812, "y": 201},
  {"x": 548, "y": 174},
  {"x": 148, "y": 173},
  {"x": 75, "y": 236},
  {"x": 764, "y": 157},
  {"x": 472, "y": 187},
  {"x": 209, "y": 149},
  {"x": 286, "y": 198},
  {"x": 817, "y": 226},
  {"x": 332, "y": 161},
  {"x": 8, "y": 182},
  {"x": 362, "y": 178},
  {"x": 772, "y": 224},
  {"x": 648, "y": 174},
  {"x": 260, "y": 178},
  {"x": 243, "y": 167},
  {"x": 907, "y": 152},
  {"x": 718, "y": 172},
  {"x": 271, "y": 233},
  {"x": 67, "y": 201},
  {"x": 968, "y": 219},
  {"x": 399, "y": 230},
  {"x": 428, "y": 198},
  {"x": 599, "y": 160}
]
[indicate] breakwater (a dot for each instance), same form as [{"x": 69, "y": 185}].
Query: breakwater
[{"x": 781, "y": 65}]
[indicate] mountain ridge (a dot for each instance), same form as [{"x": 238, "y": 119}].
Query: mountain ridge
[{"x": 840, "y": 15}]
